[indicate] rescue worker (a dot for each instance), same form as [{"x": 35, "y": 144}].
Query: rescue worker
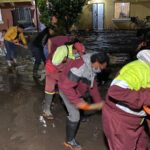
[
  {"x": 51, "y": 47},
  {"x": 123, "y": 114},
  {"x": 13, "y": 37},
  {"x": 77, "y": 78},
  {"x": 54, "y": 68}
]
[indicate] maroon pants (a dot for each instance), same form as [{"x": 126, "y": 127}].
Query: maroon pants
[
  {"x": 51, "y": 81},
  {"x": 123, "y": 132}
]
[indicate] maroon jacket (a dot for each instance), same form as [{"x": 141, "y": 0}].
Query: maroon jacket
[
  {"x": 134, "y": 100},
  {"x": 74, "y": 85}
]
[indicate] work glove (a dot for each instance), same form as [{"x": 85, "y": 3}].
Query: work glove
[
  {"x": 96, "y": 106},
  {"x": 147, "y": 109},
  {"x": 86, "y": 106}
]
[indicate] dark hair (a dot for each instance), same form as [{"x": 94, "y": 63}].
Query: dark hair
[
  {"x": 21, "y": 26},
  {"x": 147, "y": 41},
  {"x": 147, "y": 37},
  {"x": 73, "y": 41},
  {"x": 100, "y": 57}
]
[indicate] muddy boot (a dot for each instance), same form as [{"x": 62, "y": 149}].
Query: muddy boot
[
  {"x": 10, "y": 68},
  {"x": 35, "y": 71},
  {"x": 71, "y": 130},
  {"x": 46, "y": 107}
]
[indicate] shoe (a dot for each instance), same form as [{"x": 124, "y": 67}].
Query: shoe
[
  {"x": 48, "y": 116},
  {"x": 72, "y": 145}
]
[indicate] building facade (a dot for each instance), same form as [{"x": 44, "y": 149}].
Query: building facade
[{"x": 113, "y": 14}]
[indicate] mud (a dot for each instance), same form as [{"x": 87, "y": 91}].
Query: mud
[{"x": 21, "y": 125}]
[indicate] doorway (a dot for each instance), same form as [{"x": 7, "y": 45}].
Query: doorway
[{"x": 98, "y": 16}]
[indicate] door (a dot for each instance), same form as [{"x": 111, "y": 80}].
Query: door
[{"x": 98, "y": 16}]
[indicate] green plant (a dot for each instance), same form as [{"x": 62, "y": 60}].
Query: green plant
[
  {"x": 44, "y": 10},
  {"x": 67, "y": 11}
]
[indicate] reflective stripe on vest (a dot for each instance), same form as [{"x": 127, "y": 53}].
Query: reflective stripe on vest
[{"x": 134, "y": 76}]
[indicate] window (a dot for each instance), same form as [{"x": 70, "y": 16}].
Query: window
[
  {"x": 22, "y": 15},
  {"x": 122, "y": 10}
]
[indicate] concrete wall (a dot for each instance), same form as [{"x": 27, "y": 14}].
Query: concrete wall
[
  {"x": 7, "y": 19},
  {"x": 136, "y": 9},
  {"x": 140, "y": 9}
]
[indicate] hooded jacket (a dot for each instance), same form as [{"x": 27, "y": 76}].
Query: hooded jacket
[{"x": 130, "y": 90}]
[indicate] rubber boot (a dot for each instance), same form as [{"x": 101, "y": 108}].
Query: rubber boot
[
  {"x": 35, "y": 71},
  {"x": 71, "y": 130},
  {"x": 46, "y": 107}
]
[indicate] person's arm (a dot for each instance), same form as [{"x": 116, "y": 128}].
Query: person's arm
[
  {"x": 49, "y": 46},
  {"x": 23, "y": 39}
]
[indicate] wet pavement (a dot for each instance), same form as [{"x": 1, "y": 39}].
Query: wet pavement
[{"x": 22, "y": 126}]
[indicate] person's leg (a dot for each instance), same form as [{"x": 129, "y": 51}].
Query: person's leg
[
  {"x": 37, "y": 55},
  {"x": 43, "y": 56},
  {"x": 8, "y": 54},
  {"x": 71, "y": 125},
  {"x": 142, "y": 143},
  {"x": 14, "y": 54},
  {"x": 47, "y": 105},
  {"x": 121, "y": 131},
  {"x": 51, "y": 81}
]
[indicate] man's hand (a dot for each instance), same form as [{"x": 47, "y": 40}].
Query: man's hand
[
  {"x": 83, "y": 106},
  {"x": 147, "y": 109}
]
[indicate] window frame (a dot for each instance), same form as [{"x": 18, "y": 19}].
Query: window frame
[{"x": 122, "y": 18}]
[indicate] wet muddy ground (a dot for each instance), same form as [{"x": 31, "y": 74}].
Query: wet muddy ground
[{"x": 21, "y": 124}]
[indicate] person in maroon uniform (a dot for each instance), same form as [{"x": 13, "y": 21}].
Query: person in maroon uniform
[{"x": 76, "y": 79}]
